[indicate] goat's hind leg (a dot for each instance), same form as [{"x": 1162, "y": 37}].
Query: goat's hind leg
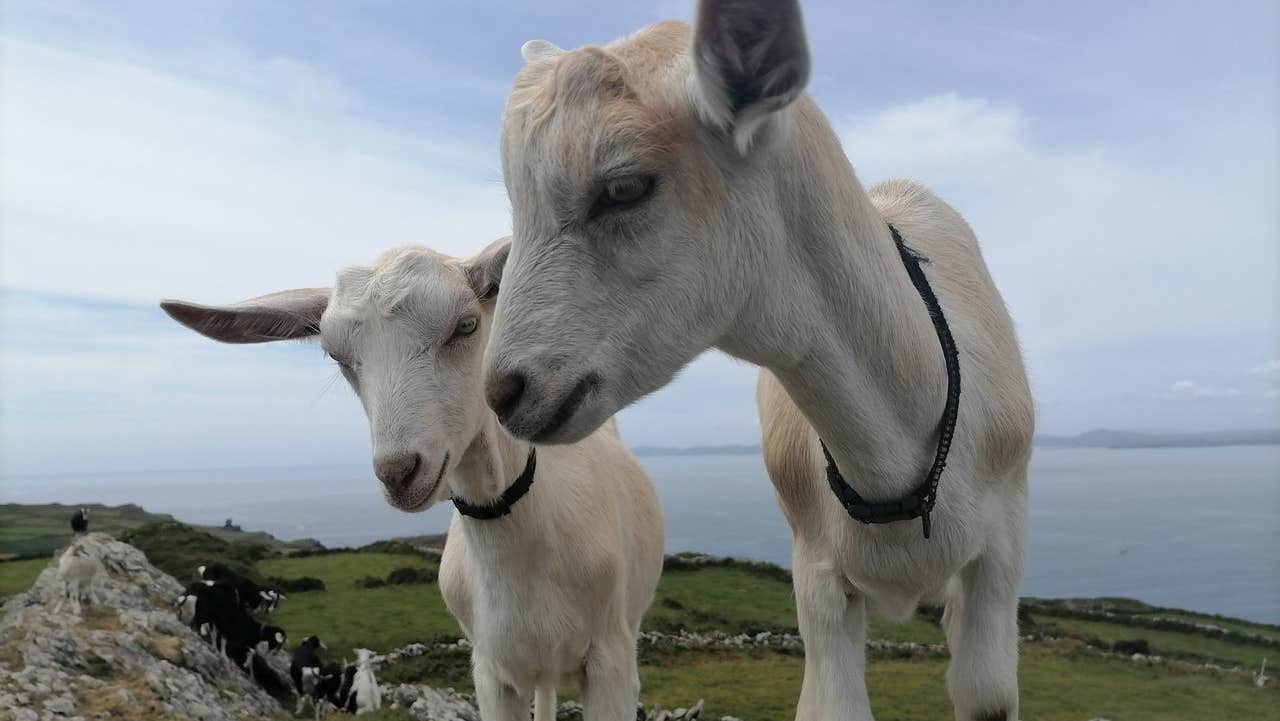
[
  {"x": 833, "y": 624},
  {"x": 981, "y": 623}
]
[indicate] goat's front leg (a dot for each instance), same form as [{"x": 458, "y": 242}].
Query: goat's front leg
[
  {"x": 833, "y": 624},
  {"x": 982, "y": 631},
  {"x": 497, "y": 700},
  {"x": 610, "y": 680}
]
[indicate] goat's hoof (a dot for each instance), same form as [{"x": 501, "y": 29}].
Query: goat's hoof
[{"x": 997, "y": 715}]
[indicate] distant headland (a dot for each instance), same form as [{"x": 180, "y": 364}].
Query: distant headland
[{"x": 1097, "y": 438}]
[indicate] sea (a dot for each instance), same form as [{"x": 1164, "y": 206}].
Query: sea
[{"x": 1192, "y": 528}]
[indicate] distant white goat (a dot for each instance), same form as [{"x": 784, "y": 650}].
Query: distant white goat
[
  {"x": 364, "y": 695},
  {"x": 558, "y": 556},
  {"x": 78, "y": 570}
]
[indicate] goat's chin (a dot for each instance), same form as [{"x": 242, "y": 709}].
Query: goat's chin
[
  {"x": 409, "y": 502},
  {"x": 421, "y": 495}
]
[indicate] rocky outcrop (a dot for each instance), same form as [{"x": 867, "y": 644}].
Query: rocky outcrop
[{"x": 127, "y": 657}]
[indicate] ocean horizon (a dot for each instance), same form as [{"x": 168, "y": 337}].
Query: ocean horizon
[{"x": 1191, "y": 528}]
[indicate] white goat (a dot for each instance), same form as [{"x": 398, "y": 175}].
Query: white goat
[
  {"x": 365, "y": 696},
  {"x": 78, "y": 570},
  {"x": 557, "y": 586},
  {"x": 675, "y": 191}
]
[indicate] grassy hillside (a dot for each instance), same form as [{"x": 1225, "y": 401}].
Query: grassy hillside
[
  {"x": 1069, "y": 670},
  {"x": 1071, "y": 674},
  {"x": 37, "y": 530}
]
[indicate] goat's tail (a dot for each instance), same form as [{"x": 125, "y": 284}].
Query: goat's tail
[{"x": 544, "y": 702}]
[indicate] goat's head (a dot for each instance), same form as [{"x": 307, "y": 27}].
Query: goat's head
[
  {"x": 313, "y": 642},
  {"x": 408, "y": 333},
  {"x": 274, "y": 636},
  {"x": 364, "y": 657},
  {"x": 641, "y": 186}
]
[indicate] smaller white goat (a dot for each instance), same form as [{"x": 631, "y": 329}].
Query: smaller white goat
[
  {"x": 364, "y": 694},
  {"x": 559, "y": 561},
  {"x": 78, "y": 570}
]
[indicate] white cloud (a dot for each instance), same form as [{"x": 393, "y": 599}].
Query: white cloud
[
  {"x": 1192, "y": 390},
  {"x": 127, "y": 182},
  {"x": 1090, "y": 242},
  {"x": 1269, "y": 369}
]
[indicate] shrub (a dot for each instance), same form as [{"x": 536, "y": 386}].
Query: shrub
[
  {"x": 398, "y": 577},
  {"x": 296, "y": 585},
  {"x": 177, "y": 549},
  {"x": 1137, "y": 645},
  {"x": 405, "y": 576}
]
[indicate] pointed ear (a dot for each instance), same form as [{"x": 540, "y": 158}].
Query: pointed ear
[
  {"x": 484, "y": 269},
  {"x": 536, "y": 50},
  {"x": 750, "y": 61},
  {"x": 285, "y": 315}
]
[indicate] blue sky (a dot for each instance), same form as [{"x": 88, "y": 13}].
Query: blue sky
[{"x": 1118, "y": 161}]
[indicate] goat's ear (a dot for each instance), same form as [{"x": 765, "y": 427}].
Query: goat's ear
[
  {"x": 285, "y": 315},
  {"x": 536, "y": 50},
  {"x": 484, "y": 269},
  {"x": 750, "y": 61}
]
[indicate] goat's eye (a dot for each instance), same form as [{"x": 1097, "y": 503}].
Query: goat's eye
[
  {"x": 622, "y": 193},
  {"x": 466, "y": 327}
]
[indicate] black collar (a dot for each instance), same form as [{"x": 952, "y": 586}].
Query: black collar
[
  {"x": 502, "y": 506},
  {"x": 919, "y": 502}
]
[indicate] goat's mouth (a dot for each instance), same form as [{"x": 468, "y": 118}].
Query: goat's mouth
[
  {"x": 415, "y": 497},
  {"x": 551, "y": 430}
]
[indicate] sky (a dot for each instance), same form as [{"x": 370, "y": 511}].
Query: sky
[{"x": 1120, "y": 163}]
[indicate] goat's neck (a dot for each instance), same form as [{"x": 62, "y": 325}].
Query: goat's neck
[
  {"x": 833, "y": 314},
  {"x": 489, "y": 465}
]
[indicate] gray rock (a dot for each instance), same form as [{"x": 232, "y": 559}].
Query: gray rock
[
  {"x": 431, "y": 704},
  {"x": 569, "y": 711},
  {"x": 126, "y": 652}
]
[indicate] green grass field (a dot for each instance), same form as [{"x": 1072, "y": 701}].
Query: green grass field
[
  {"x": 1068, "y": 678},
  {"x": 1064, "y": 679}
]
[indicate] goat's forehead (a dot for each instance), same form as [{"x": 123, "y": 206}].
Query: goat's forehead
[
  {"x": 624, "y": 94},
  {"x": 417, "y": 284}
]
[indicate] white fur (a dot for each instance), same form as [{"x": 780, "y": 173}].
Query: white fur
[
  {"x": 779, "y": 257},
  {"x": 78, "y": 570},
  {"x": 364, "y": 686},
  {"x": 556, "y": 588}
]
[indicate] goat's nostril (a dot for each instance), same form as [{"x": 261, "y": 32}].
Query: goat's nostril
[
  {"x": 504, "y": 394},
  {"x": 397, "y": 470}
]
